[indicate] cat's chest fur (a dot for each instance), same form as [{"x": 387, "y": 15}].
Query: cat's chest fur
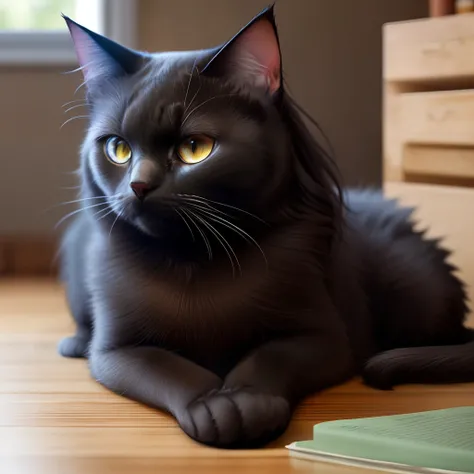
[{"x": 206, "y": 316}]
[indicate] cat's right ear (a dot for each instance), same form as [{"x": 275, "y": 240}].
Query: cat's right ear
[
  {"x": 252, "y": 56},
  {"x": 99, "y": 57}
]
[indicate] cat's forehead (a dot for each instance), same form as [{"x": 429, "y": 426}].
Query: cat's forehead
[
  {"x": 170, "y": 78},
  {"x": 175, "y": 65},
  {"x": 169, "y": 86}
]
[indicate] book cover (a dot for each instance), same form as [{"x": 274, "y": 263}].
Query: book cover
[{"x": 427, "y": 442}]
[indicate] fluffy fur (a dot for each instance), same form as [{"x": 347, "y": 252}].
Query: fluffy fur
[{"x": 241, "y": 284}]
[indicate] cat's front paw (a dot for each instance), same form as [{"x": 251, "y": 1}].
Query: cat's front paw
[
  {"x": 74, "y": 346},
  {"x": 236, "y": 418}
]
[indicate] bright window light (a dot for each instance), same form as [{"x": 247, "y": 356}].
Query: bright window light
[
  {"x": 33, "y": 31},
  {"x": 45, "y": 15}
]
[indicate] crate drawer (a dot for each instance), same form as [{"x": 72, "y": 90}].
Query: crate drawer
[
  {"x": 439, "y": 163},
  {"x": 442, "y": 118},
  {"x": 433, "y": 49}
]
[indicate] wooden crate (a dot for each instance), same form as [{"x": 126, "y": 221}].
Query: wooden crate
[{"x": 428, "y": 143}]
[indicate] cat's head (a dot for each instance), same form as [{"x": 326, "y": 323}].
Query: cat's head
[{"x": 179, "y": 138}]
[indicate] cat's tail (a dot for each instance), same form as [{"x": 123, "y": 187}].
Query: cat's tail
[{"x": 424, "y": 365}]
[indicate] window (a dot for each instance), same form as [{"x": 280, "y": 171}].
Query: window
[
  {"x": 33, "y": 32},
  {"x": 44, "y": 15}
]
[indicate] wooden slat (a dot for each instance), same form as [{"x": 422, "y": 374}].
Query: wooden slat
[
  {"x": 430, "y": 50},
  {"x": 442, "y": 117},
  {"x": 428, "y": 88},
  {"x": 437, "y": 119},
  {"x": 439, "y": 162},
  {"x": 154, "y": 465}
]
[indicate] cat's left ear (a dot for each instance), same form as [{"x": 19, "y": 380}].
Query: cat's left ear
[
  {"x": 252, "y": 56},
  {"x": 99, "y": 57}
]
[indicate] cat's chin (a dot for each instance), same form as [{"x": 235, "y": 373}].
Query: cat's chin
[
  {"x": 145, "y": 226},
  {"x": 157, "y": 227},
  {"x": 155, "y": 221}
]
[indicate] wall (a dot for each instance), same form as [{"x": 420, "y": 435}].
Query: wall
[
  {"x": 332, "y": 59},
  {"x": 36, "y": 155}
]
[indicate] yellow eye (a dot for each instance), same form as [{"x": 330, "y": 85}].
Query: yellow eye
[
  {"x": 117, "y": 150},
  {"x": 195, "y": 149}
]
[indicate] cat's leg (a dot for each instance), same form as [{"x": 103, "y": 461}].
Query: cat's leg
[
  {"x": 254, "y": 407},
  {"x": 155, "y": 377},
  {"x": 77, "y": 346},
  {"x": 73, "y": 274}
]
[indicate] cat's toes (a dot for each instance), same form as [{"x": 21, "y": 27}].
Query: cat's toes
[
  {"x": 75, "y": 347},
  {"x": 237, "y": 419}
]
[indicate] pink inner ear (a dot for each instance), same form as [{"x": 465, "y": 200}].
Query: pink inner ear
[
  {"x": 81, "y": 40},
  {"x": 84, "y": 47},
  {"x": 257, "y": 53}
]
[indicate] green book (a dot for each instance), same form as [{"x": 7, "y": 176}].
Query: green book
[{"x": 427, "y": 442}]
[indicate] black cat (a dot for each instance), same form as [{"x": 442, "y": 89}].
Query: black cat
[{"x": 217, "y": 271}]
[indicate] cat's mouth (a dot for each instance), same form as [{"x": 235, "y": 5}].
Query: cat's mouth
[
  {"x": 153, "y": 217},
  {"x": 184, "y": 215}
]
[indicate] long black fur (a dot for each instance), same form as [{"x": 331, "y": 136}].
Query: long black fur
[{"x": 243, "y": 284}]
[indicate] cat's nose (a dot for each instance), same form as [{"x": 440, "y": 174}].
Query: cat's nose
[{"x": 141, "y": 189}]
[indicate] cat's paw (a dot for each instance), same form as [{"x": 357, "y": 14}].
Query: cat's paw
[
  {"x": 236, "y": 418},
  {"x": 75, "y": 347}
]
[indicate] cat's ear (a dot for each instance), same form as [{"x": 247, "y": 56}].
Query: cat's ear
[
  {"x": 252, "y": 56},
  {"x": 100, "y": 57}
]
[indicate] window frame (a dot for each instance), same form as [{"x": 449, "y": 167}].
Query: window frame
[{"x": 50, "y": 48}]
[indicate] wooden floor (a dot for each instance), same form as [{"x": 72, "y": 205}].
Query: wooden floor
[{"x": 55, "y": 420}]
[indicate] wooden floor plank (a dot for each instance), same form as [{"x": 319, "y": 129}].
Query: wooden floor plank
[
  {"x": 54, "y": 419},
  {"x": 154, "y": 465}
]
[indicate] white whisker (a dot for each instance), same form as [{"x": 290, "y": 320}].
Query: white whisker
[
  {"x": 195, "y": 95},
  {"x": 204, "y": 237},
  {"x": 224, "y": 243},
  {"x": 67, "y": 216},
  {"x": 187, "y": 225},
  {"x": 115, "y": 221},
  {"x": 80, "y": 68},
  {"x": 189, "y": 82},
  {"x": 74, "y": 118},
  {"x": 73, "y": 102},
  {"x": 108, "y": 210},
  {"x": 85, "y": 199},
  {"x": 238, "y": 231},
  {"x": 104, "y": 201},
  {"x": 80, "y": 87},
  {"x": 204, "y": 103},
  {"x": 75, "y": 107},
  {"x": 205, "y": 206},
  {"x": 224, "y": 205}
]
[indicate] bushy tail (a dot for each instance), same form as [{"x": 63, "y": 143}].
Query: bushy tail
[{"x": 422, "y": 365}]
